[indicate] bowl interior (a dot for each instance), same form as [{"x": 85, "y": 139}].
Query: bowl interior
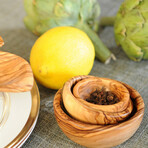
[{"x": 85, "y": 87}]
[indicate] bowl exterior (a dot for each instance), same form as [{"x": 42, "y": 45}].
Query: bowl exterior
[
  {"x": 104, "y": 140},
  {"x": 99, "y": 135}
]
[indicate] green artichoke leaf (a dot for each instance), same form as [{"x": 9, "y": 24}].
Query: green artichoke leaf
[
  {"x": 57, "y": 8},
  {"x": 120, "y": 31},
  {"x": 87, "y": 9},
  {"x": 133, "y": 51},
  {"x": 131, "y": 4},
  {"x": 29, "y": 7},
  {"x": 131, "y": 25},
  {"x": 61, "y": 13},
  {"x": 42, "y": 9},
  {"x": 43, "y": 26},
  {"x": 31, "y": 19},
  {"x": 144, "y": 6},
  {"x": 30, "y": 24},
  {"x": 141, "y": 37},
  {"x": 66, "y": 8}
]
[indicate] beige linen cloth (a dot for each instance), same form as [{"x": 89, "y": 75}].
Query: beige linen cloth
[{"x": 19, "y": 40}]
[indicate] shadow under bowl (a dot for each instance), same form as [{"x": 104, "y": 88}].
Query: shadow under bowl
[{"x": 91, "y": 135}]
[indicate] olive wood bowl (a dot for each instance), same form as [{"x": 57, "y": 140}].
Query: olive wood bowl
[
  {"x": 78, "y": 89},
  {"x": 91, "y": 135},
  {"x": 1, "y": 42}
]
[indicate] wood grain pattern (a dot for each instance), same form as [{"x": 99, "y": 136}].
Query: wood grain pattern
[
  {"x": 1, "y": 42},
  {"x": 94, "y": 136},
  {"x": 15, "y": 73},
  {"x": 76, "y": 90}
]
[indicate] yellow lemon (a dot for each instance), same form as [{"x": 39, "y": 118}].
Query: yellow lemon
[{"x": 59, "y": 54}]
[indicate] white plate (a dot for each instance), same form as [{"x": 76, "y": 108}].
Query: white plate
[
  {"x": 20, "y": 111},
  {"x": 21, "y": 142}
]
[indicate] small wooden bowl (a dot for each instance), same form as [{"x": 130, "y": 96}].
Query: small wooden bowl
[
  {"x": 78, "y": 89},
  {"x": 95, "y": 136}
]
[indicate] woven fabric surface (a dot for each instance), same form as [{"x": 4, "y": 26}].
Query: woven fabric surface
[{"x": 19, "y": 40}]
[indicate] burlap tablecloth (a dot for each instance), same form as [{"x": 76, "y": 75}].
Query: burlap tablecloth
[{"x": 19, "y": 40}]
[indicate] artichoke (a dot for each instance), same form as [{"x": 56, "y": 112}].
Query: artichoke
[
  {"x": 83, "y": 14},
  {"x": 131, "y": 28}
]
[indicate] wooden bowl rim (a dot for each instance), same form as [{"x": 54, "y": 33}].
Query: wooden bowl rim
[
  {"x": 59, "y": 113},
  {"x": 122, "y": 105}
]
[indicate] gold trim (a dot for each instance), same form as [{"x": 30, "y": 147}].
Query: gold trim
[{"x": 32, "y": 117}]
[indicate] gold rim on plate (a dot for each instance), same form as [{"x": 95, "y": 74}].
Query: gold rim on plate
[{"x": 32, "y": 118}]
